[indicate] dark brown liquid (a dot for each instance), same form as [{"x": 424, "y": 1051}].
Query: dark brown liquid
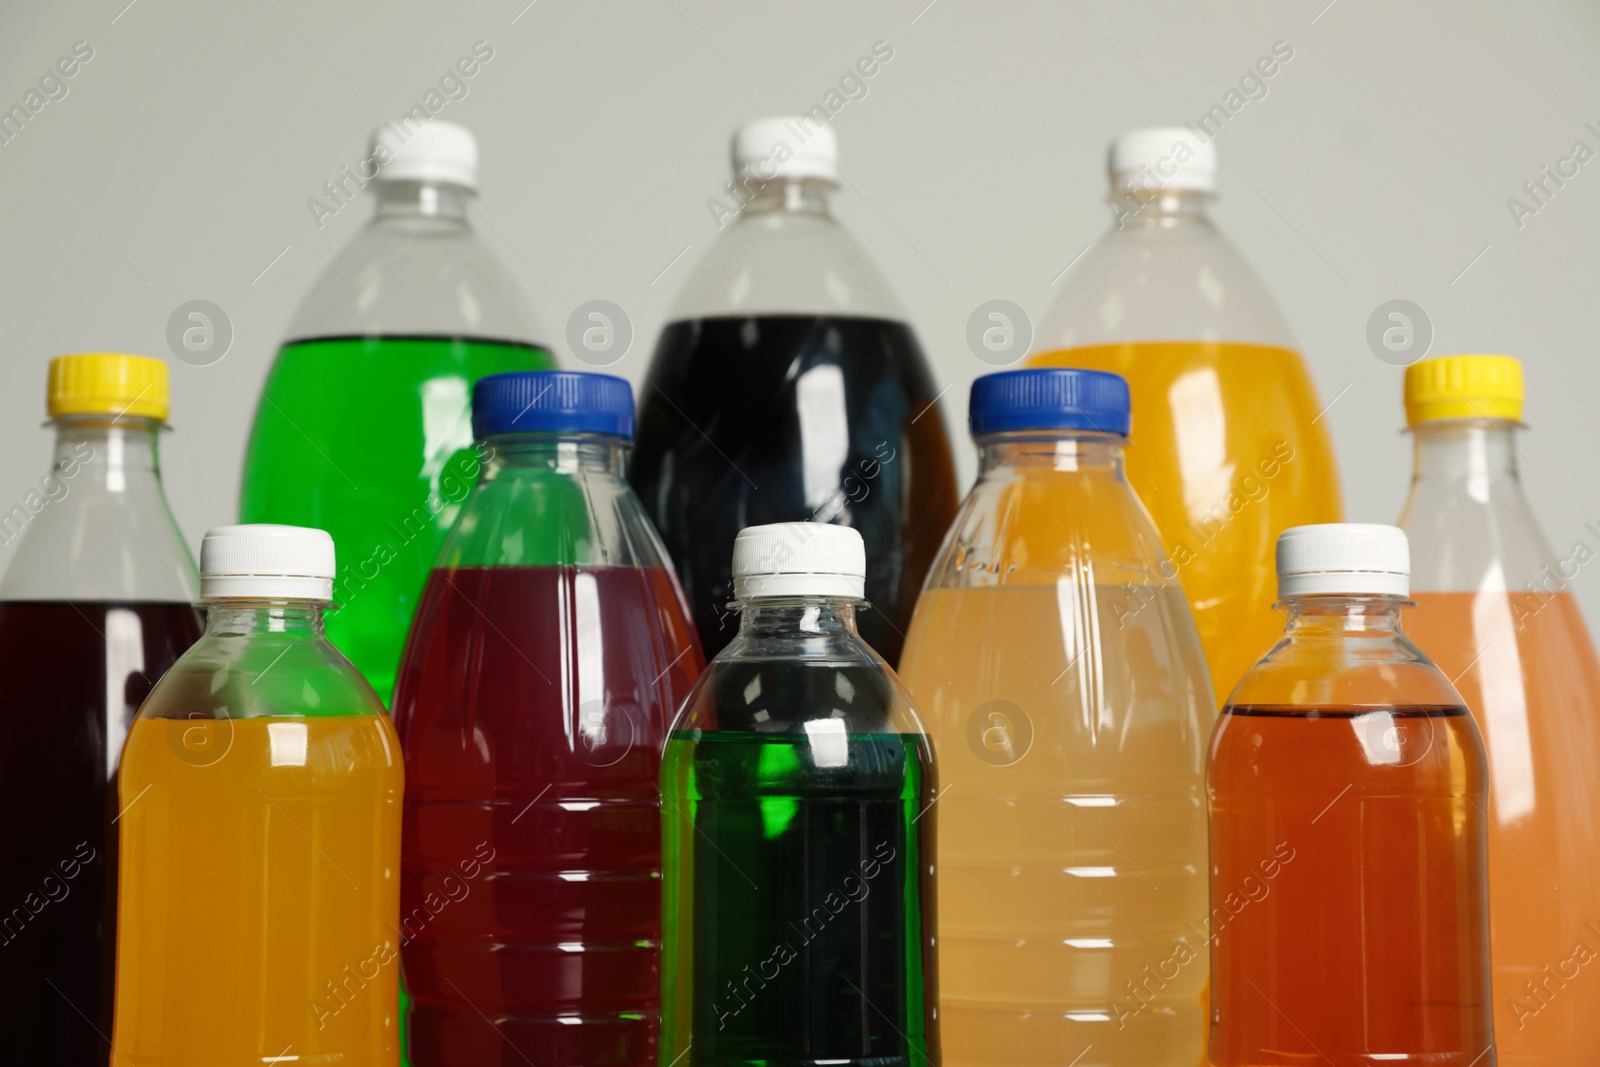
[{"x": 74, "y": 675}]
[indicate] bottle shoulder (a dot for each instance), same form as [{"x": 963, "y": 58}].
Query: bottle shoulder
[
  {"x": 1339, "y": 669},
  {"x": 260, "y": 675},
  {"x": 1473, "y": 537}
]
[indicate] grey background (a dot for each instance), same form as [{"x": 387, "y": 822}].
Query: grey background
[{"x": 1378, "y": 167}]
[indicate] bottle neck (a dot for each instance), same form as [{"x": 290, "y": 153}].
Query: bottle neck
[
  {"x": 403, "y": 201},
  {"x": 1465, "y": 450},
  {"x": 1159, "y": 209},
  {"x": 766, "y": 618},
  {"x": 242, "y": 617},
  {"x": 1337, "y": 615},
  {"x": 780, "y": 196},
  {"x": 1056, "y": 450},
  {"x": 582, "y": 453},
  {"x": 117, "y": 455}
]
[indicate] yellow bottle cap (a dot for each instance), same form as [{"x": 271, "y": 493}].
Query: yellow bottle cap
[
  {"x": 108, "y": 383},
  {"x": 1464, "y": 387}
]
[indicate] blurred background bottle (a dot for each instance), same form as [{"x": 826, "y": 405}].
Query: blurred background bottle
[
  {"x": 1347, "y": 784},
  {"x": 1494, "y": 609},
  {"x": 96, "y": 605},
  {"x": 260, "y": 865},
  {"x": 798, "y": 818},
  {"x": 364, "y": 427},
  {"x": 788, "y": 386},
  {"x": 1055, "y": 662},
  {"x": 550, "y": 652},
  {"x": 1228, "y": 450}
]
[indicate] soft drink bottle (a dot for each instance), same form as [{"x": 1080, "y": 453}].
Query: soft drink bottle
[
  {"x": 1349, "y": 913},
  {"x": 798, "y": 832},
  {"x": 1056, "y": 664},
  {"x": 96, "y": 605},
  {"x": 786, "y": 386},
  {"x": 548, "y": 656},
  {"x": 1231, "y": 449},
  {"x": 364, "y": 427},
  {"x": 260, "y": 791},
  {"x": 1494, "y": 608}
]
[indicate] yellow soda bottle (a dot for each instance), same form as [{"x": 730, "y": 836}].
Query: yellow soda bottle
[
  {"x": 1229, "y": 447},
  {"x": 1059, "y": 675},
  {"x": 260, "y": 829}
]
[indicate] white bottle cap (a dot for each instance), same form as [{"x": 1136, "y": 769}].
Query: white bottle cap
[
  {"x": 438, "y": 151},
  {"x": 788, "y": 146},
  {"x": 799, "y": 559},
  {"x": 1344, "y": 557},
  {"x": 1162, "y": 157},
  {"x": 266, "y": 562}
]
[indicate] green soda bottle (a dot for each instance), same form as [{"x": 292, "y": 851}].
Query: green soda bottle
[
  {"x": 797, "y": 840},
  {"x": 365, "y": 428}
]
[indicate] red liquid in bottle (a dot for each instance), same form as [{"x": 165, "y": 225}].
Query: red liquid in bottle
[{"x": 532, "y": 706}]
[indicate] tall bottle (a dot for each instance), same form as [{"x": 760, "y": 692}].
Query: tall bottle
[
  {"x": 787, "y": 386},
  {"x": 548, "y": 656},
  {"x": 798, "y": 817},
  {"x": 364, "y": 427},
  {"x": 1495, "y": 610},
  {"x": 1230, "y": 450},
  {"x": 1056, "y": 664},
  {"x": 1349, "y": 914},
  {"x": 97, "y": 603},
  {"x": 260, "y": 791}
]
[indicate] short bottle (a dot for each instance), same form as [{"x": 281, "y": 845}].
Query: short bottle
[
  {"x": 550, "y": 651},
  {"x": 798, "y": 836},
  {"x": 788, "y": 386},
  {"x": 96, "y": 605},
  {"x": 1495, "y": 610},
  {"x": 1055, "y": 662},
  {"x": 364, "y": 427},
  {"x": 1347, "y": 784},
  {"x": 1231, "y": 448},
  {"x": 260, "y": 819}
]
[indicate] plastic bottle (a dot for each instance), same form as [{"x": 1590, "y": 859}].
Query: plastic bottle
[
  {"x": 548, "y": 656},
  {"x": 1494, "y": 608},
  {"x": 798, "y": 831},
  {"x": 260, "y": 792},
  {"x": 787, "y": 386},
  {"x": 95, "y": 606},
  {"x": 364, "y": 426},
  {"x": 1056, "y": 664},
  {"x": 1230, "y": 449},
  {"x": 1349, "y": 912}
]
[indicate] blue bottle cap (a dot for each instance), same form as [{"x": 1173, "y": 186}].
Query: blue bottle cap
[
  {"x": 1049, "y": 398},
  {"x": 552, "y": 401}
]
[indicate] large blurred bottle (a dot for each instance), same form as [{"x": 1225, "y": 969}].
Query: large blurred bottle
[
  {"x": 1494, "y": 608},
  {"x": 364, "y": 428},
  {"x": 798, "y": 832},
  {"x": 1349, "y": 916},
  {"x": 1056, "y": 664},
  {"x": 97, "y": 603},
  {"x": 550, "y": 652},
  {"x": 787, "y": 386},
  {"x": 1228, "y": 450}
]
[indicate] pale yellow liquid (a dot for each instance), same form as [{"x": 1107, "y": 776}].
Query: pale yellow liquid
[
  {"x": 1068, "y": 869},
  {"x": 259, "y": 893}
]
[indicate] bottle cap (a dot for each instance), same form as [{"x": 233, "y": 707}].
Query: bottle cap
[
  {"x": 1344, "y": 557},
  {"x": 1049, "y": 398},
  {"x": 1464, "y": 387},
  {"x": 787, "y": 146},
  {"x": 267, "y": 562},
  {"x": 552, "y": 401},
  {"x": 799, "y": 559},
  {"x": 438, "y": 151},
  {"x": 1162, "y": 157},
  {"x": 107, "y": 383}
]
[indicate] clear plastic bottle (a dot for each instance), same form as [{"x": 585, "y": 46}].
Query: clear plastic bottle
[
  {"x": 1495, "y": 609},
  {"x": 1056, "y": 664},
  {"x": 798, "y": 832},
  {"x": 1230, "y": 450},
  {"x": 788, "y": 386},
  {"x": 260, "y": 819},
  {"x": 96, "y": 605},
  {"x": 364, "y": 428},
  {"x": 549, "y": 654},
  {"x": 1347, "y": 783}
]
